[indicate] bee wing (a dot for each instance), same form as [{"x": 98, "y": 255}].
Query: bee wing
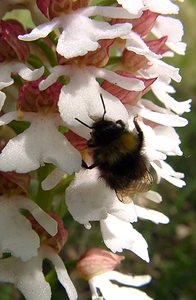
[
  {"x": 144, "y": 184},
  {"x": 137, "y": 186},
  {"x": 124, "y": 196}
]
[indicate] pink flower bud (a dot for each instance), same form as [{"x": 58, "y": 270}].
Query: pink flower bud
[
  {"x": 56, "y": 242},
  {"x": 44, "y": 7},
  {"x": 144, "y": 24},
  {"x": 55, "y": 8},
  {"x": 96, "y": 261},
  {"x": 100, "y": 57},
  {"x": 11, "y": 47},
  {"x": 31, "y": 99},
  {"x": 157, "y": 45},
  {"x": 133, "y": 61}
]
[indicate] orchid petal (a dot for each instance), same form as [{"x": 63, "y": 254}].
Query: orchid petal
[
  {"x": 153, "y": 196},
  {"x": 52, "y": 179},
  {"x": 152, "y": 215},
  {"x": 128, "y": 279},
  {"x": 162, "y": 6},
  {"x": 167, "y": 119},
  {"x": 61, "y": 272},
  {"x": 40, "y": 31},
  {"x": 160, "y": 89},
  {"x": 44, "y": 219},
  {"x": 16, "y": 234},
  {"x": 166, "y": 172},
  {"x": 27, "y": 73},
  {"x": 78, "y": 40},
  {"x": 80, "y": 99},
  {"x": 130, "y": 84},
  {"x": 113, "y": 291},
  {"x": 135, "y": 43},
  {"x": 88, "y": 199},
  {"x": 173, "y": 29},
  {"x": 2, "y": 99},
  {"x": 20, "y": 154},
  {"x": 134, "y": 8},
  {"x": 114, "y": 232},
  {"x": 26, "y": 276}
]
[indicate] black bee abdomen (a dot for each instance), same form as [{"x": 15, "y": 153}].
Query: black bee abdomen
[{"x": 121, "y": 173}]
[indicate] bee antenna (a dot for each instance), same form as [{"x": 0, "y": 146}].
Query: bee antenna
[
  {"x": 104, "y": 109},
  {"x": 83, "y": 123}
]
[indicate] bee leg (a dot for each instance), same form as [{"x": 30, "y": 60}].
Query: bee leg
[
  {"x": 139, "y": 131},
  {"x": 90, "y": 144},
  {"x": 121, "y": 123},
  {"x": 84, "y": 165},
  {"x": 136, "y": 124}
]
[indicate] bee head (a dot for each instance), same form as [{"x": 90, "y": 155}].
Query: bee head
[{"x": 104, "y": 131}]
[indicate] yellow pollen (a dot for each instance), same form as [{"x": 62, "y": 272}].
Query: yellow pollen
[{"x": 20, "y": 115}]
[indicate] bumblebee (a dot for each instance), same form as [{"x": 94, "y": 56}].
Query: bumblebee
[{"x": 117, "y": 153}]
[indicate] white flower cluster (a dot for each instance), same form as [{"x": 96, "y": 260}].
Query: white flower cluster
[{"x": 76, "y": 68}]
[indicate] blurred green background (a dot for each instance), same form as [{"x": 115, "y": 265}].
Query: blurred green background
[{"x": 172, "y": 247}]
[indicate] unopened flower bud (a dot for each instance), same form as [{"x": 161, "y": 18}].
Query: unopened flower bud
[
  {"x": 100, "y": 57},
  {"x": 133, "y": 61},
  {"x": 96, "y": 261},
  {"x": 55, "y": 8},
  {"x": 11, "y": 47},
  {"x": 144, "y": 24},
  {"x": 158, "y": 45},
  {"x": 31, "y": 99}
]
